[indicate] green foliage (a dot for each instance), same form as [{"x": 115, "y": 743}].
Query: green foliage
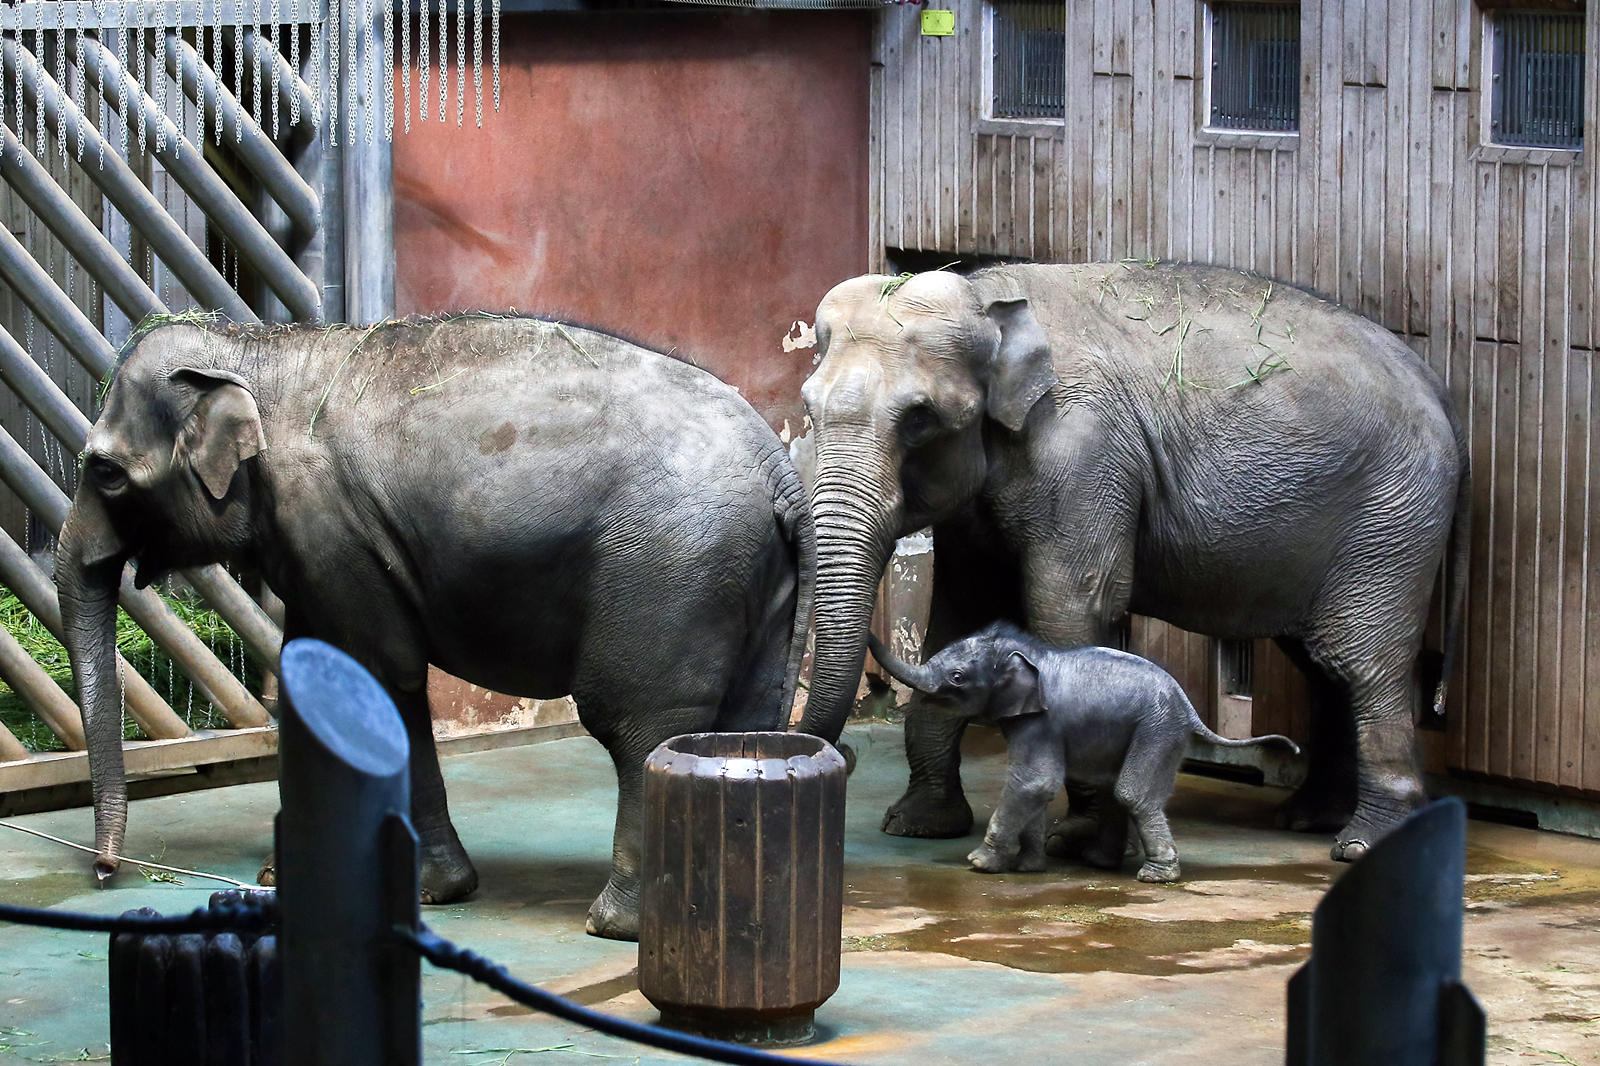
[{"x": 140, "y": 652}]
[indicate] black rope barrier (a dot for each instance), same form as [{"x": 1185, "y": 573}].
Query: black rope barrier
[
  {"x": 243, "y": 915},
  {"x": 257, "y": 912},
  {"x": 446, "y": 955}
]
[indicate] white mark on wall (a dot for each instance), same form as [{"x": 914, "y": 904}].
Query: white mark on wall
[{"x": 800, "y": 336}]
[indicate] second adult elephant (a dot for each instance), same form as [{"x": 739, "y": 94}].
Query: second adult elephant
[
  {"x": 1238, "y": 458},
  {"x": 534, "y": 507}
]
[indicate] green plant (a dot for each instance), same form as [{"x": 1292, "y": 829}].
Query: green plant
[{"x": 141, "y": 653}]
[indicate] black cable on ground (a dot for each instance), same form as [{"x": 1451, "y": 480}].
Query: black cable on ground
[{"x": 449, "y": 956}]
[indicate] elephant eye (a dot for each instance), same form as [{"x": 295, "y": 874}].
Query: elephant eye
[
  {"x": 106, "y": 475},
  {"x": 957, "y": 678},
  {"x": 919, "y": 423}
]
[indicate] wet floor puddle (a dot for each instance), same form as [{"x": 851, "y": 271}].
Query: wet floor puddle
[
  {"x": 1042, "y": 923},
  {"x": 1218, "y": 918}
]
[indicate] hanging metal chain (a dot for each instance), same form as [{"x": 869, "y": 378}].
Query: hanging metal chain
[
  {"x": 388, "y": 70},
  {"x": 126, "y": 128},
  {"x": 424, "y": 62},
  {"x": 238, "y": 67},
  {"x": 461, "y": 61},
  {"x": 216, "y": 65},
  {"x": 257, "y": 71},
  {"x": 333, "y": 71},
  {"x": 352, "y": 69},
  {"x": 277, "y": 68},
  {"x": 444, "y": 59},
  {"x": 477, "y": 58},
  {"x": 38, "y": 108},
  {"x": 315, "y": 63},
  {"x": 143, "y": 69},
  {"x": 164, "y": 17},
  {"x": 369, "y": 64},
  {"x": 77, "y": 87},
  {"x": 405, "y": 66},
  {"x": 61, "y": 79},
  {"x": 294, "y": 61},
  {"x": 495, "y": 29}
]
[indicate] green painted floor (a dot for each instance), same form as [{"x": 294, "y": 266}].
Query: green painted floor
[{"x": 942, "y": 965}]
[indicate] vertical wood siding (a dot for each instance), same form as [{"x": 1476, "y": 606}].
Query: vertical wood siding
[{"x": 1482, "y": 259}]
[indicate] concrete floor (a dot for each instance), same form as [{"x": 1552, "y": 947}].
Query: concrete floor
[{"x": 942, "y": 965}]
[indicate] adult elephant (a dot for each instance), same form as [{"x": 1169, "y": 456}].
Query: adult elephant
[
  {"x": 537, "y": 508},
  {"x": 1207, "y": 447}
]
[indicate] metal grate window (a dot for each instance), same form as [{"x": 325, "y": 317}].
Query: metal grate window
[
  {"x": 1255, "y": 67},
  {"x": 1030, "y": 59},
  {"x": 1236, "y": 662},
  {"x": 1537, "y": 98}
]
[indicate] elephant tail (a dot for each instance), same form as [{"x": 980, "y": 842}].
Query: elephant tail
[
  {"x": 1202, "y": 731},
  {"x": 1458, "y": 551}
]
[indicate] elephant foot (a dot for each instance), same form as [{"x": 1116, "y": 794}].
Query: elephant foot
[
  {"x": 1031, "y": 863},
  {"x": 1314, "y": 809},
  {"x": 921, "y": 814},
  {"x": 987, "y": 860},
  {"x": 1348, "y": 850},
  {"x": 447, "y": 875},
  {"x": 1158, "y": 873},
  {"x": 1103, "y": 858},
  {"x": 1072, "y": 835},
  {"x": 1374, "y": 819},
  {"x": 615, "y": 915}
]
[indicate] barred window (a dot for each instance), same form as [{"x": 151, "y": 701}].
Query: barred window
[
  {"x": 1537, "y": 81},
  {"x": 1236, "y": 663},
  {"x": 1255, "y": 67},
  {"x": 1030, "y": 59}
]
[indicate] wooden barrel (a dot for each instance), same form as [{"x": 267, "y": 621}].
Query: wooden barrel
[{"x": 743, "y": 887}]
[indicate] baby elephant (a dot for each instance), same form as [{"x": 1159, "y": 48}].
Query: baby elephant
[{"x": 1091, "y": 716}]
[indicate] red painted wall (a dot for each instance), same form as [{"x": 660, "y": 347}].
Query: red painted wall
[{"x": 690, "y": 179}]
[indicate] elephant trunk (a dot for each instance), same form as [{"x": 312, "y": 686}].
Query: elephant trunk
[
  {"x": 88, "y": 595},
  {"x": 856, "y": 509},
  {"x": 921, "y": 678}
]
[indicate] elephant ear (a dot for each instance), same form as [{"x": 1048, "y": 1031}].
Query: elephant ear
[
  {"x": 1021, "y": 371},
  {"x": 1018, "y": 690},
  {"x": 222, "y": 431}
]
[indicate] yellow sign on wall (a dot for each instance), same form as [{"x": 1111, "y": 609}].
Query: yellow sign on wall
[{"x": 938, "y": 23}]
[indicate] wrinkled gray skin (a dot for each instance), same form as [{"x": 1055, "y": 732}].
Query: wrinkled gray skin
[
  {"x": 535, "y": 508},
  {"x": 1095, "y": 717},
  {"x": 1172, "y": 440}
]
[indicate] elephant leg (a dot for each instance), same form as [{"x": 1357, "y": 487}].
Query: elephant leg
[
  {"x": 1388, "y": 785},
  {"x": 1080, "y": 828},
  {"x": 1035, "y": 769},
  {"x": 1106, "y": 849},
  {"x": 1326, "y": 799},
  {"x": 447, "y": 873},
  {"x": 934, "y": 805},
  {"x": 972, "y": 586},
  {"x": 615, "y": 912},
  {"x": 1149, "y": 771},
  {"x": 1031, "y": 858}
]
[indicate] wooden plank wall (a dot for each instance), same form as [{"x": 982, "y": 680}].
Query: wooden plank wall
[{"x": 1483, "y": 259}]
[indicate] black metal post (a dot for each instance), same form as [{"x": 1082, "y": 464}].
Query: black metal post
[
  {"x": 1384, "y": 981},
  {"x": 346, "y": 867}
]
